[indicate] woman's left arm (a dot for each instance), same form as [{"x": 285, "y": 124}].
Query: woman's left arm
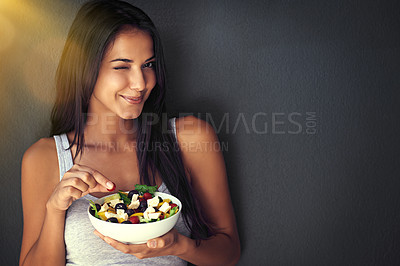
[{"x": 202, "y": 157}]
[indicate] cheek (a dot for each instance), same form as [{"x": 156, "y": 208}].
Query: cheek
[
  {"x": 150, "y": 80},
  {"x": 110, "y": 83}
]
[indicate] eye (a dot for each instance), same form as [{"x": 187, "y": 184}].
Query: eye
[
  {"x": 117, "y": 68},
  {"x": 149, "y": 65}
]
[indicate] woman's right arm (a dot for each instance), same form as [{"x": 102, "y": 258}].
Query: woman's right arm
[
  {"x": 45, "y": 200},
  {"x": 43, "y": 229}
]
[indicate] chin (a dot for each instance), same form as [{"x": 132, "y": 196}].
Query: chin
[{"x": 128, "y": 116}]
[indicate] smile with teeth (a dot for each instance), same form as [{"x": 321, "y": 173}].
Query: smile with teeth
[{"x": 133, "y": 100}]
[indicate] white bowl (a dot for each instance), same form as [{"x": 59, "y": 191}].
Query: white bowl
[{"x": 136, "y": 233}]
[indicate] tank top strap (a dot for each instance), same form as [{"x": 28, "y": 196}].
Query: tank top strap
[
  {"x": 172, "y": 121},
  {"x": 65, "y": 161}
]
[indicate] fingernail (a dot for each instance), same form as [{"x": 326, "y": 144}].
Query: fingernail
[
  {"x": 153, "y": 244},
  {"x": 110, "y": 186}
]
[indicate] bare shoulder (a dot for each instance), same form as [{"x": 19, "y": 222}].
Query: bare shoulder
[
  {"x": 40, "y": 160},
  {"x": 41, "y": 151},
  {"x": 199, "y": 147},
  {"x": 192, "y": 133}
]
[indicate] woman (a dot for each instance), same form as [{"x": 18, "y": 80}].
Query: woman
[{"x": 107, "y": 123}]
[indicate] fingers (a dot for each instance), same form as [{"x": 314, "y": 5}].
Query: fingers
[
  {"x": 157, "y": 243},
  {"x": 62, "y": 198},
  {"x": 160, "y": 246},
  {"x": 163, "y": 241},
  {"x": 86, "y": 177},
  {"x": 81, "y": 180},
  {"x": 98, "y": 178},
  {"x": 71, "y": 192},
  {"x": 116, "y": 244}
]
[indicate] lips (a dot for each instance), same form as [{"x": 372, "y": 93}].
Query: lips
[{"x": 132, "y": 100}]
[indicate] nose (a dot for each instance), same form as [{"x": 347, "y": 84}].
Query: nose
[{"x": 137, "y": 80}]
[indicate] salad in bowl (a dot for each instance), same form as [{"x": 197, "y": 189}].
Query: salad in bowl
[{"x": 135, "y": 216}]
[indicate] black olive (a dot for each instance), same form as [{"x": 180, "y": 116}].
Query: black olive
[
  {"x": 120, "y": 206},
  {"x": 98, "y": 207},
  {"x": 143, "y": 206},
  {"x": 126, "y": 222},
  {"x": 130, "y": 194},
  {"x": 130, "y": 212},
  {"x": 112, "y": 220}
]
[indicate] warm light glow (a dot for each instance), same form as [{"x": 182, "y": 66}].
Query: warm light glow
[
  {"x": 7, "y": 33},
  {"x": 34, "y": 34},
  {"x": 40, "y": 68},
  {"x": 19, "y": 9}
]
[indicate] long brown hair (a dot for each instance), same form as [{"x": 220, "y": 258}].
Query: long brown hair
[{"x": 95, "y": 27}]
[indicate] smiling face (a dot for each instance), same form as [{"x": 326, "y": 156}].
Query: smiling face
[{"x": 126, "y": 76}]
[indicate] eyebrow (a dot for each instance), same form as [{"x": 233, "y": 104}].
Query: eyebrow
[
  {"x": 122, "y": 59},
  {"x": 150, "y": 58},
  {"x": 129, "y": 60}
]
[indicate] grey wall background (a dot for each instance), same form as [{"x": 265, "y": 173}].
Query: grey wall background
[{"x": 304, "y": 96}]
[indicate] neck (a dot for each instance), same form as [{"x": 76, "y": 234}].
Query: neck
[{"x": 109, "y": 128}]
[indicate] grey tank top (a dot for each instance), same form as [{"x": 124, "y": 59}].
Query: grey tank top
[{"x": 85, "y": 248}]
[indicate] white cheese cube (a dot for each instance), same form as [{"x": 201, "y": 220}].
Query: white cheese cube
[
  {"x": 119, "y": 215},
  {"x": 165, "y": 207},
  {"x": 120, "y": 212},
  {"x": 110, "y": 214},
  {"x": 150, "y": 210},
  {"x": 154, "y": 215},
  {"x": 134, "y": 197},
  {"x": 134, "y": 204},
  {"x": 123, "y": 216},
  {"x": 153, "y": 202},
  {"x": 104, "y": 207},
  {"x": 147, "y": 211}
]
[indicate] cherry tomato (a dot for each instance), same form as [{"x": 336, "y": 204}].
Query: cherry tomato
[
  {"x": 147, "y": 196},
  {"x": 172, "y": 205},
  {"x": 134, "y": 219}
]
